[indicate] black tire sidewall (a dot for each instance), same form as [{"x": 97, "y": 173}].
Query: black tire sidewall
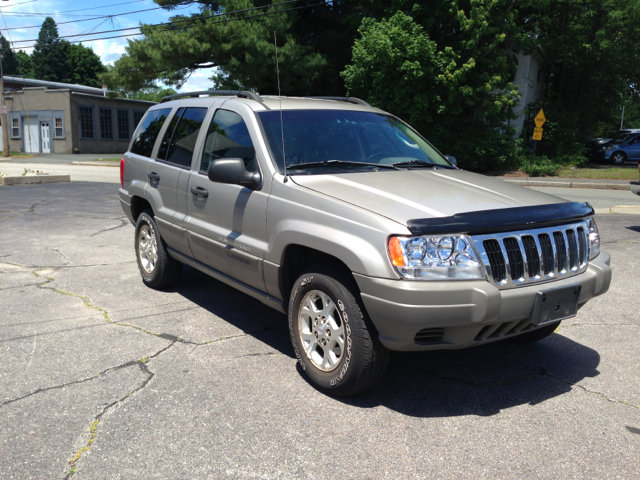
[{"x": 352, "y": 319}]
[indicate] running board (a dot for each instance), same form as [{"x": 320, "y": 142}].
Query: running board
[{"x": 232, "y": 282}]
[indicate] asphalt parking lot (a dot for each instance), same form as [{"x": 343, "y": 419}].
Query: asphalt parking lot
[{"x": 103, "y": 378}]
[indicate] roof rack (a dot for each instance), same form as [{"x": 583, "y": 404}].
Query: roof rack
[
  {"x": 237, "y": 93},
  {"x": 344, "y": 99}
]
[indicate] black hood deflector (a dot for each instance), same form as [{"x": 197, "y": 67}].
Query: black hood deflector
[{"x": 503, "y": 219}]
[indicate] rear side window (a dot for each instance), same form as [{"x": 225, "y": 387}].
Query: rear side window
[
  {"x": 180, "y": 138},
  {"x": 228, "y": 137},
  {"x": 146, "y": 138}
]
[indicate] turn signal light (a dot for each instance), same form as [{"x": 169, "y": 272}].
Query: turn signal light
[{"x": 395, "y": 252}]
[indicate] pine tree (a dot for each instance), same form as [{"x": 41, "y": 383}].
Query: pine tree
[
  {"x": 25, "y": 65},
  {"x": 49, "y": 56},
  {"x": 9, "y": 61}
]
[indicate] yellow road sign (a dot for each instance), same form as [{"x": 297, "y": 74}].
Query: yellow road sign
[
  {"x": 540, "y": 119},
  {"x": 537, "y": 133}
]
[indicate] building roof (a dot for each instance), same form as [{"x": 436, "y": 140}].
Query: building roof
[{"x": 32, "y": 82}]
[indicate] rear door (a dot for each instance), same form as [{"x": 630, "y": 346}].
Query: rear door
[
  {"x": 227, "y": 223},
  {"x": 168, "y": 174}
]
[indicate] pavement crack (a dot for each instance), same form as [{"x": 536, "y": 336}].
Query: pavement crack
[
  {"x": 93, "y": 428},
  {"x": 124, "y": 223},
  {"x": 66, "y": 259},
  {"x": 32, "y": 208},
  {"x": 545, "y": 372}
]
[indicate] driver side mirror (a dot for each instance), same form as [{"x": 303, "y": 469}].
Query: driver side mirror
[
  {"x": 232, "y": 171},
  {"x": 452, "y": 160}
]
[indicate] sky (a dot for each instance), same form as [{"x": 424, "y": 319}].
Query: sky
[{"x": 16, "y": 15}]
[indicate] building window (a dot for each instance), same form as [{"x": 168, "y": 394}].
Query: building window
[
  {"x": 106, "y": 123},
  {"x": 137, "y": 116},
  {"x": 59, "y": 133},
  {"x": 15, "y": 127},
  {"x": 123, "y": 125},
  {"x": 86, "y": 122}
]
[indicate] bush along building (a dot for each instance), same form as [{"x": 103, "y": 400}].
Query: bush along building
[{"x": 48, "y": 117}]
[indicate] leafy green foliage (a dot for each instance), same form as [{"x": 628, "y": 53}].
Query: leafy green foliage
[
  {"x": 10, "y": 65},
  {"x": 49, "y": 57},
  {"x": 25, "y": 65},
  {"x": 84, "y": 66},
  {"x": 151, "y": 94},
  {"x": 457, "y": 92}
]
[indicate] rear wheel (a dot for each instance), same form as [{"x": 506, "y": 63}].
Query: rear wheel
[
  {"x": 334, "y": 340},
  {"x": 157, "y": 268},
  {"x": 535, "y": 335}
]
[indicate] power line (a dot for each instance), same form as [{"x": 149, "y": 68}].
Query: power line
[
  {"x": 188, "y": 27},
  {"x": 168, "y": 24}
]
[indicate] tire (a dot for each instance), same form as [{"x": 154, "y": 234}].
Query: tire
[
  {"x": 339, "y": 351},
  {"x": 535, "y": 335},
  {"x": 618, "y": 158},
  {"x": 157, "y": 268}
]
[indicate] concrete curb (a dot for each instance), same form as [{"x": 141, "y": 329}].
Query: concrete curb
[
  {"x": 623, "y": 209},
  {"x": 569, "y": 184},
  {"x": 98, "y": 164},
  {"x": 34, "y": 179}
]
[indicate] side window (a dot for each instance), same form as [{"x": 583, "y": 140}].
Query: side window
[
  {"x": 228, "y": 137},
  {"x": 146, "y": 138},
  {"x": 180, "y": 138}
]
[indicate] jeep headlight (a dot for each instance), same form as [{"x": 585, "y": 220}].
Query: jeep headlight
[
  {"x": 593, "y": 239},
  {"x": 447, "y": 257}
]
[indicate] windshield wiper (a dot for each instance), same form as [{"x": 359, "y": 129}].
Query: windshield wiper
[
  {"x": 420, "y": 164},
  {"x": 333, "y": 163}
]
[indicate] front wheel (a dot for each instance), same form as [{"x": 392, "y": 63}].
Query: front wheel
[
  {"x": 618, "y": 158},
  {"x": 333, "y": 339}
]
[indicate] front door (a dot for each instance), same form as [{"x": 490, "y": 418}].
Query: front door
[
  {"x": 31, "y": 135},
  {"x": 226, "y": 223},
  {"x": 44, "y": 136}
]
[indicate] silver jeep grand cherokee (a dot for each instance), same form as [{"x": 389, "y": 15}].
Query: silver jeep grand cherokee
[{"x": 346, "y": 219}]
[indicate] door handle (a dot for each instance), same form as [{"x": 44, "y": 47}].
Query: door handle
[
  {"x": 199, "y": 191},
  {"x": 153, "y": 176}
]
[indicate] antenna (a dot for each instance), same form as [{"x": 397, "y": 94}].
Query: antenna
[{"x": 284, "y": 157}]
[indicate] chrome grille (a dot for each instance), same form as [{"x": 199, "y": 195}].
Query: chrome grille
[{"x": 534, "y": 256}]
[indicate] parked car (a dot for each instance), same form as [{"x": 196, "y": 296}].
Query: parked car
[
  {"x": 620, "y": 149},
  {"x": 346, "y": 219}
]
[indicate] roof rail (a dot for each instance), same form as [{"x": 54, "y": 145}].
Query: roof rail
[
  {"x": 237, "y": 93},
  {"x": 345, "y": 99}
]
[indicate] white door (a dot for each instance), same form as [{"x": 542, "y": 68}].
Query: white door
[
  {"x": 44, "y": 131},
  {"x": 31, "y": 136}
]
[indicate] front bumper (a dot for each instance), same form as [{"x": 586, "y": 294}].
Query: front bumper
[
  {"x": 464, "y": 311},
  {"x": 635, "y": 187}
]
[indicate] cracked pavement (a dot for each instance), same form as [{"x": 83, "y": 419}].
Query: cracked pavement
[{"x": 103, "y": 378}]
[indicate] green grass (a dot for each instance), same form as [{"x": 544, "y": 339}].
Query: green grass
[
  {"x": 601, "y": 173},
  {"x": 108, "y": 159},
  {"x": 21, "y": 155}
]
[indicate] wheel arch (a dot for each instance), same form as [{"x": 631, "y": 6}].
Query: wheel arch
[{"x": 138, "y": 205}]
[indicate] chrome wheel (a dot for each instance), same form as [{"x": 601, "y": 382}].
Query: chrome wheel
[
  {"x": 147, "y": 249},
  {"x": 321, "y": 330}
]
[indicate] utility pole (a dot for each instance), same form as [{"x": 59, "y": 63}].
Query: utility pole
[
  {"x": 622, "y": 119},
  {"x": 3, "y": 113}
]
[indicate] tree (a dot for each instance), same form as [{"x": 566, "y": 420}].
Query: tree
[
  {"x": 243, "y": 49},
  {"x": 151, "y": 94},
  {"x": 10, "y": 64},
  {"x": 84, "y": 66},
  {"x": 25, "y": 65},
  {"x": 50, "y": 60},
  {"x": 447, "y": 71}
]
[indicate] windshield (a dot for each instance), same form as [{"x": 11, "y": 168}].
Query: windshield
[
  {"x": 621, "y": 137},
  {"x": 353, "y": 138}
]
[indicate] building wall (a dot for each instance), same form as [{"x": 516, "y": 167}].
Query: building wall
[
  {"x": 96, "y": 139},
  {"x": 43, "y": 105},
  {"x": 530, "y": 81}
]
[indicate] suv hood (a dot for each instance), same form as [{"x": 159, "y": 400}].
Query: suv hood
[{"x": 404, "y": 195}]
